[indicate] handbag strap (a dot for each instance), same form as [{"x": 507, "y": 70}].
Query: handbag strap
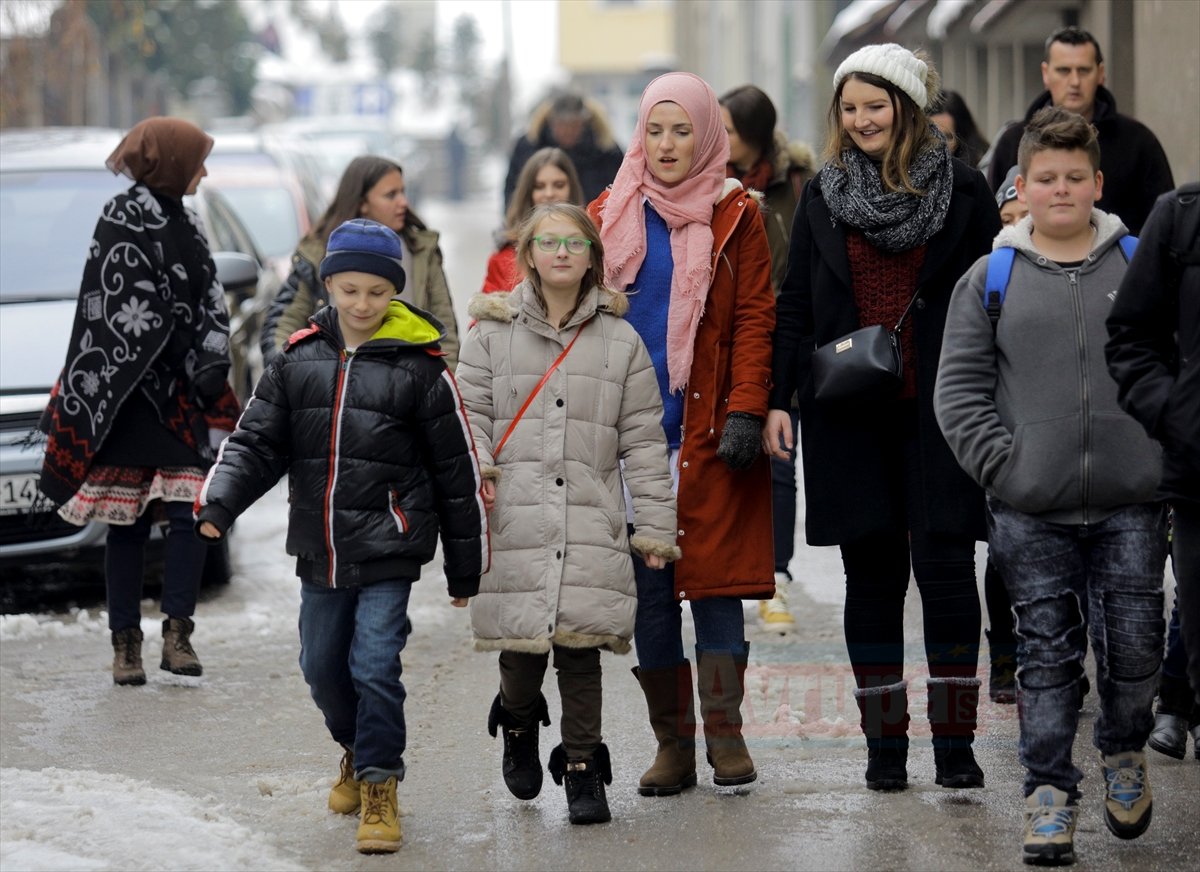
[
  {"x": 536, "y": 390},
  {"x": 896, "y": 329}
]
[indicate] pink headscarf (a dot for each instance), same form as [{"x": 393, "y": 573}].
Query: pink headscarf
[{"x": 686, "y": 206}]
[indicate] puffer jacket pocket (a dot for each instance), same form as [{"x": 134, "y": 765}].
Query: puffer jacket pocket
[
  {"x": 397, "y": 514},
  {"x": 1042, "y": 469},
  {"x": 1126, "y": 464}
]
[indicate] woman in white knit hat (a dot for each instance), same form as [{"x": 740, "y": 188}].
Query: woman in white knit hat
[{"x": 881, "y": 236}]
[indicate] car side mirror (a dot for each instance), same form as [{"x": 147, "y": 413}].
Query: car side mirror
[{"x": 237, "y": 273}]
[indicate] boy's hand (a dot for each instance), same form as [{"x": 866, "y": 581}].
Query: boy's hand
[
  {"x": 209, "y": 530},
  {"x": 489, "y": 494},
  {"x": 656, "y": 561},
  {"x": 459, "y": 602}
]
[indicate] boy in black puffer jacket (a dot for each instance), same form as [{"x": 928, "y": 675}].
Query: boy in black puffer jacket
[{"x": 363, "y": 415}]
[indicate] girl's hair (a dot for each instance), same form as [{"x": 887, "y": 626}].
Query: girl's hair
[
  {"x": 911, "y": 130},
  {"x": 753, "y": 116},
  {"x": 594, "y": 274},
  {"x": 522, "y": 195},
  {"x": 360, "y": 176},
  {"x": 968, "y": 145}
]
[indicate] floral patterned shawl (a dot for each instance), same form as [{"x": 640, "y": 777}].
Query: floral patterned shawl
[{"x": 151, "y": 317}]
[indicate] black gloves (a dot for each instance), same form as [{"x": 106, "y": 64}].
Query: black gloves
[{"x": 741, "y": 440}]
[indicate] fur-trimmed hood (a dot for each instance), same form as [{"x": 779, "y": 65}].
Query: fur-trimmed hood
[
  {"x": 1109, "y": 229},
  {"x": 792, "y": 156},
  {"x": 503, "y": 306}
]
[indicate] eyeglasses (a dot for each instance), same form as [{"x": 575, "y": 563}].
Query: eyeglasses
[{"x": 551, "y": 244}]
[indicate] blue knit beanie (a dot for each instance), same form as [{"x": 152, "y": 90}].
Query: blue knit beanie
[{"x": 363, "y": 245}]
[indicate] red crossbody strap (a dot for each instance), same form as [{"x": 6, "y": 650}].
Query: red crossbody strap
[{"x": 521, "y": 411}]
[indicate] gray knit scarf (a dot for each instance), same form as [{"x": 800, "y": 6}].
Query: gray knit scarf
[{"x": 891, "y": 220}]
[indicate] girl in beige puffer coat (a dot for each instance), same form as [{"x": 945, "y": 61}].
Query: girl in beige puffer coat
[{"x": 564, "y": 406}]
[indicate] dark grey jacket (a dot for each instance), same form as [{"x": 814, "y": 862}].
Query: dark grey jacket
[{"x": 1031, "y": 413}]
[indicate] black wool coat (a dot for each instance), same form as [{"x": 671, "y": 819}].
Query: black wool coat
[
  {"x": 1154, "y": 339},
  {"x": 845, "y": 474}
]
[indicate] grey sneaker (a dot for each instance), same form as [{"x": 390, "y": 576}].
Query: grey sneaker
[
  {"x": 1049, "y": 827},
  {"x": 1127, "y": 800}
]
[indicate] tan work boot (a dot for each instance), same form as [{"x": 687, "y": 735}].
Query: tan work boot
[
  {"x": 178, "y": 657},
  {"x": 345, "y": 796},
  {"x": 379, "y": 824},
  {"x": 127, "y": 657},
  {"x": 672, "y": 717}
]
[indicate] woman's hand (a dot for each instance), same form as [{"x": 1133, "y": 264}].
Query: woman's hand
[
  {"x": 209, "y": 530},
  {"x": 489, "y": 494},
  {"x": 459, "y": 602},
  {"x": 778, "y": 429},
  {"x": 656, "y": 561}
]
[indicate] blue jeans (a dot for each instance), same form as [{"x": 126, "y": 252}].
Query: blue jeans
[
  {"x": 783, "y": 501},
  {"x": 350, "y": 644},
  {"x": 124, "y": 566},
  {"x": 1055, "y": 574},
  {"x": 658, "y": 630}
]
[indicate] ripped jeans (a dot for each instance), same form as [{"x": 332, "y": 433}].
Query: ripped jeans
[{"x": 1049, "y": 570}]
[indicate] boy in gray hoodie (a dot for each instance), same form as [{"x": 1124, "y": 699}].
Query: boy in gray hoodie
[{"x": 1025, "y": 401}]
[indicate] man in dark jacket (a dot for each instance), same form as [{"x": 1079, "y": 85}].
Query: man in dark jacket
[
  {"x": 1154, "y": 354},
  {"x": 578, "y": 127},
  {"x": 1133, "y": 162}
]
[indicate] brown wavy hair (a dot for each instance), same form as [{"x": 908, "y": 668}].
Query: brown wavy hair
[
  {"x": 522, "y": 195},
  {"x": 911, "y": 128}
]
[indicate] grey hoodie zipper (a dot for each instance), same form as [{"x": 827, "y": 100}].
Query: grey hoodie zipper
[{"x": 1085, "y": 428}]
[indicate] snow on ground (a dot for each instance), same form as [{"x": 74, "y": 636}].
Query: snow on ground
[{"x": 62, "y": 819}]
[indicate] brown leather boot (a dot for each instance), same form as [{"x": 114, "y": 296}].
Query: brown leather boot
[
  {"x": 178, "y": 657},
  {"x": 721, "y": 679},
  {"x": 673, "y": 719},
  {"x": 127, "y": 657}
]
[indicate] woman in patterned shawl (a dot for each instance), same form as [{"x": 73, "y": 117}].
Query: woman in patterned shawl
[{"x": 143, "y": 395}]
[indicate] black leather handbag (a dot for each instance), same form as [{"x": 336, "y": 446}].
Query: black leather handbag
[{"x": 865, "y": 364}]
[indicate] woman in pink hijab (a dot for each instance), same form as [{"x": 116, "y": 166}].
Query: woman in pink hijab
[{"x": 689, "y": 247}]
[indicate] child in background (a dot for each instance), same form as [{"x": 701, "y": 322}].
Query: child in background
[
  {"x": 547, "y": 177},
  {"x": 1012, "y": 209},
  {"x": 362, "y": 414},
  {"x": 564, "y": 403},
  {"x": 1030, "y": 412}
]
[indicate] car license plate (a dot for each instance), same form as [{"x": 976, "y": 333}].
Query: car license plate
[{"x": 17, "y": 492}]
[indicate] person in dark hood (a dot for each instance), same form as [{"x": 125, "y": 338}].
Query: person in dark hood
[
  {"x": 1133, "y": 162},
  {"x": 578, "y": 126}
]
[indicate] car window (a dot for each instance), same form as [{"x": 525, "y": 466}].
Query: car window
[
  {"x": 270, "y": 216},
  {"x": 46, "y": 224}
]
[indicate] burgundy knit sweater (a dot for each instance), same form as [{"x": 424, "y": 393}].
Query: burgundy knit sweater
[{"x": 883, "y": 284}]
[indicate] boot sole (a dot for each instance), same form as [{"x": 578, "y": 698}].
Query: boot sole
[
  {"x": 888, "y": 784},
  {"x": 378, "y": 846},
  {"x": 960, "y": 782},
  {"x": 1050, "y": 856},
  {"x": 584, "y": 821},
  {"x": 182, "y": 670},
  {"x": 135, "y": 681},
  {"x": 721, "y": 781},
  {"x": 1128, "y": 831},
  {"x": 669, "y": 789}
]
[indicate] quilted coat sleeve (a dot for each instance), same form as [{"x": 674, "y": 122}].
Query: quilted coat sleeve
[
  {"x": 441, "y": 421},
  {"x": 753, "y": 318},
  {"x": 474, "y": 376},
  {"x": 253, "y": 458},
  {"x": 643, "y": 448}
]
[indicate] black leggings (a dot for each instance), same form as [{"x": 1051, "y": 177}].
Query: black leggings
[
  {"x": 877, "y": 573},
  {"x": 124, "y": 562}
]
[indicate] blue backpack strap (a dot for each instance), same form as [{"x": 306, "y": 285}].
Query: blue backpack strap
[
  {"x": 999, "y": 269},
  {"x": 1128, "y": 246}
]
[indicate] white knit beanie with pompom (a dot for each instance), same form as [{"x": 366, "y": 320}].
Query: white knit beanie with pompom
[{"x": 892, "y": 62}]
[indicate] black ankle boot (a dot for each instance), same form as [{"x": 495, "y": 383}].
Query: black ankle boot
[
  {"x": 956, "y": 767},
  {"x": 887, "y": 767},
  {"x": 522, "y": 766},
  {"x": 584, "y": 783}
]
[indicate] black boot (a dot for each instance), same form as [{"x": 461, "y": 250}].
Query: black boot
[
  {"x": 584, "y": 784},
  {"x": 884, "y": 720},
  {"x": 522, "y": 767},
  {"x": 1169, "y": 735},
  {"x": 953, "y": 702}
]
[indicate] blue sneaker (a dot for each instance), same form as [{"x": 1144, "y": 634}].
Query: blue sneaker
[
  {"x": 1049, "y": 827},
  {"x": 1127, "y": 800}
]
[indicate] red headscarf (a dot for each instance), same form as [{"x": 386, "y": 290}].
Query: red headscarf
[
  {"x": 686, "y": 206},
  {"x": 163, "y": 153}
]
